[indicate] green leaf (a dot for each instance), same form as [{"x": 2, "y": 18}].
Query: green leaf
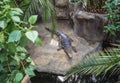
[
  {"x": 8, "y": 81},
  {"x": 29, "y": 59},
  {"x": 16, "y": 57},
  {"x": 2, "y": 24},
  {"x": 12, "y": 13},
  {"x": 32, "y": 67},
  {"x": 1, "y": 67},
  {"x": 18, "y": 77},
  {"x": 24, "y": 41},
  {"x": 18, "y": 10},
  {"x": 32, "y": 35},
  {"x": 21, "y": 49},
  {"x": 2, "y": 37},
  {"x": 11, "y": 47},
  {"x": 29, "y": 72},
  {"x": 14, "y": 36},
  {"x": 3, "y": 59},
  {"x": 13, "y": 63},
  {"x": 33, "y": 19},
  {"x": 16, "y": 18},
  {"x": 6, "y": 0},
  {"x": 23, "y": 56},
  {"x": 38, "y": 41}
]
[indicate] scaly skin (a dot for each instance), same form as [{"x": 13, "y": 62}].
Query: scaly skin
[{"x": 64, "y": 43}]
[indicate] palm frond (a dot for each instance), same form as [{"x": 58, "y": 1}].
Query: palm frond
[
  {"x": 46, "y": 7},
  {"x": 98, "y": 63},
  {"x": 48, "y": 12},
  {"x": 29, "y": 7}
]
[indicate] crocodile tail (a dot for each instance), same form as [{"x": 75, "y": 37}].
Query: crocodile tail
[{"x": 48, "y": 29}]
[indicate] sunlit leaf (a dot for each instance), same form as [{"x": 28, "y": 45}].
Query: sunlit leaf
[
  {"x": 32, "y": 35},
  {"x": 16, "y": 18},
  {"x": 2, "y": 24},
  {"x": 33, "y": 19}
]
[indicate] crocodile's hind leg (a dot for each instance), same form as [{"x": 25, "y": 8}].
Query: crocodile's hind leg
[
  {"x": 74, "y": 49},
  {"x": 69, "y": 53}
]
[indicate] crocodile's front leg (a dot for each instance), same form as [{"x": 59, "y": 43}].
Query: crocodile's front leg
[{"x": 60, "y": 45}]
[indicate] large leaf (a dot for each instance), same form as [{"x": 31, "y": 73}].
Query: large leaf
[
  {"x": 32, "y": 35},
  {"x": 18, "y": 10},
  {"x": 33, "y": 19},
  {"x": 16, "y": 18},
  {"x": 2, "y": 24},
  {"x": 14, "y": 36},
  {"x": 29, "y": 72},
  {"x": 18, "y": 77}
]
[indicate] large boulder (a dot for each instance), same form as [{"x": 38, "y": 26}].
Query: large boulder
[
  {"x": 48, "y": 59},
  {"x": 89, "y": 26}
]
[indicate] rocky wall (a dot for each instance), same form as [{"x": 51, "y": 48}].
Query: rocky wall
[{"x": 87, "y": 35}]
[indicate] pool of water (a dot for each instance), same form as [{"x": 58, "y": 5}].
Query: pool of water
[{"x": 53, "y": 78}]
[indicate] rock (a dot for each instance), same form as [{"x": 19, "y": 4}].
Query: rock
[
  {"x": 89, "y": 26},
  {"x": 48, "y": 59},
  {"x": 61, "y": 3},
  {"x": 61, "y": 13}
]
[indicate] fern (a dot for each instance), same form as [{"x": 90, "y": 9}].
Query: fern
[{"x": 98, "y": 63}]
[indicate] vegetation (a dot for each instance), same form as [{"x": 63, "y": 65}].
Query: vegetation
[
  {"x": 113, "y": 10},
  {"x": 16, "y": 24},
  {"x": 43, "y": 8},
  {"x": 99, "y": 63},
  {"x": 15, "y": 34},
  {"x": 14, "y": 59},
  {"x": 103, "y": 61},
  {"x": 110, "y": 7},
  {"x": 94, "y": 6}
]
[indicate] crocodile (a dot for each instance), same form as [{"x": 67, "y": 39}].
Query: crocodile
[{"x": 64, "y": 43}]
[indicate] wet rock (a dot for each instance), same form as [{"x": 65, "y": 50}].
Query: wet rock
[
  {"x": 48, "y": 59},
  {"x": 89, "y": 26}
]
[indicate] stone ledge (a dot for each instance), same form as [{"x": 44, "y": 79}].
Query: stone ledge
[{"x": 48, "y": 59}]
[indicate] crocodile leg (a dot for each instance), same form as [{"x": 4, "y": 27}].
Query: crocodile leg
[
  {"x": 60, "y": 45},
  {"x": 74, "y": 49},
  {"x": 68, "y": 52}
]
